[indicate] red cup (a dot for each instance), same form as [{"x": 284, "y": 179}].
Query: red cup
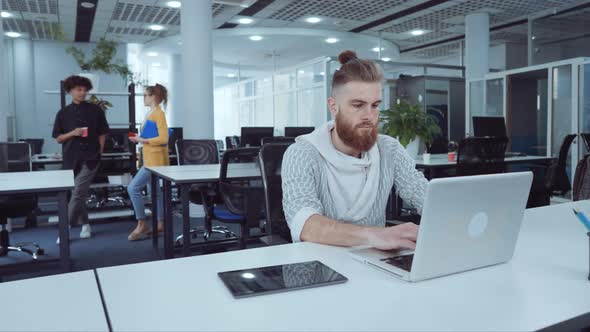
[
  {"x": 451, "y": 156},
  {"x": 131, "y": 134},
  {"x": 84, "y": 131}
]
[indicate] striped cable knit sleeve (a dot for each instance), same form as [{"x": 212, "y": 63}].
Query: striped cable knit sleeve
[
  {"x": 300, "y": 181},
  {"x": 409, "y": 182}
]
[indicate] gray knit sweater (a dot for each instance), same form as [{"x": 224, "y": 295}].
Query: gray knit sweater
[{"x": 306, "y": 191}]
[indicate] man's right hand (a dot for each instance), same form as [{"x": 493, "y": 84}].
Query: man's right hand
[
  {"x": 392, "y": 238},
  {"x": 77, "y": 132}
]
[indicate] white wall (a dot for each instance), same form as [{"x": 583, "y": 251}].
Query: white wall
[{"x": 51, "y": 64}]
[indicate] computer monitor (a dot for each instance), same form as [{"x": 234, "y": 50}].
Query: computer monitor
[
  {"x": 252, "y": 136},
  {"x": 489, "y": 126},
  {"x": 297, "y": 131},
  {"x": 117, "y": 140}
]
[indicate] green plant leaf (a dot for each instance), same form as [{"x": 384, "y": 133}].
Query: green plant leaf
[{"x": 406, "y": 122}]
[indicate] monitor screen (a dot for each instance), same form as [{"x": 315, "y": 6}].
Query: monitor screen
[
  {"x": 297, "y": 131},
  {"x": 487, "y": 126},
  {"x": 117, "y": 140},
  {"x": 252, "y": 136}
]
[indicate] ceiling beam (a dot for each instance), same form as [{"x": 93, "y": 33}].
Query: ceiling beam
[
  {"x": 84, "y": 20},
  {"x": 400, "y": 14}
]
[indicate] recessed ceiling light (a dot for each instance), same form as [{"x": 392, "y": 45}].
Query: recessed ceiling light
[
  {"x": 156, "y": 64},
  {"x": 376, "y": 49},
  {"x": 255, "y": 38},
  {"x": 417, "y": 32},
  {"x": 248, "y": 275},
  {"x": 386, "y": 59},
  {"x": 12, "y": 34},
  {"x": 6, "y": 14},
  {"x": 87, "y": 4},
  {"x": 332, "y": 40},
  {"x": 174, "y": 4},
  {"x": 313, "y": 20},
  {"x": 322, "y": 73},
  {"x": 533, "y": 37},
  {"x": 156, "y": 27},
  {"x": 152, "y": 54},
  {"x": 301, "y": 72},
  {"x": 245, "y": 20},
  {"x": 231, "y": 75}
]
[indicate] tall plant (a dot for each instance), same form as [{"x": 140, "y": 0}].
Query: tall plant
[
  {"x": 102, "y": 59},
  {"x": 407, "y": 121}
]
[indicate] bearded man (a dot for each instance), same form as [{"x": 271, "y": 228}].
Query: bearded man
[{"x": 336, "y": 181}]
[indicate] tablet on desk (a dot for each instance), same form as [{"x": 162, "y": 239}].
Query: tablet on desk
[{"x": 279, "y": 278}]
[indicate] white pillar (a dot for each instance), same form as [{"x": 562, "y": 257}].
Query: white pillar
[
  {"x": 477, "y": 45},
  {"x": 197, "y": 63},
  {"x": 175, "y": 109},
  {"x": 24, "y": 87},
  {"x": 3, "y": 88}
]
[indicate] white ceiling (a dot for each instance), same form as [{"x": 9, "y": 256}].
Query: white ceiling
[{"x": 127, "y": 21}]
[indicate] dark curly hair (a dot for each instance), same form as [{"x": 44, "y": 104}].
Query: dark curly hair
[{"x": 75, "y": 80}]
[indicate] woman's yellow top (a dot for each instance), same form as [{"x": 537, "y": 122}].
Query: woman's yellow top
[{"x": 156, "y": 152}]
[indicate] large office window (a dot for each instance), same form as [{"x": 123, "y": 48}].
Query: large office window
[{"x": 290, "y": 97}]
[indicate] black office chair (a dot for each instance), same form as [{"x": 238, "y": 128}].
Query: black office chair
[
  {"x": 244, "y": 200},
  {"x": 278, "y": 139},
  {"x": 36, "y": 144},
  {"x": 202, "y": 152},
  {"x": 232, "y": 142},
  {"x": 552, "y": 180},
  {"x": 481, "y": 155},
  {"x": 271, "y": 159},
  {"x": 16, "y": 157}
]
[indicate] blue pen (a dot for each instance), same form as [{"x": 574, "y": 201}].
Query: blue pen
[{"x": 582, "y": 217}]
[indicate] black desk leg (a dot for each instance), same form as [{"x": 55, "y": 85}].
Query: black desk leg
[
  {"x": 168, "y": 220},
  {"x": 186, "y": 220},
  {"x": 155, "y": 190},
  {"x": 64, "y": 231}
]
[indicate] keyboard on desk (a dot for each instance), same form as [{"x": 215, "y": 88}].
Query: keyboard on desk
[{"x": 403, "y": 262}]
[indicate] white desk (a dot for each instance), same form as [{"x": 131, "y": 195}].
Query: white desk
[
  {"x": 441, "y": 160},
  {"x": 58, "y": 182},
  {"x": 184, "y": 176},
  {"x": 66, "y": 302},
  {"x": 546, "y": 283}
]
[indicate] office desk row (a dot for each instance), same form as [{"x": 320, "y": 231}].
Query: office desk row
[{"x": 546, "y": 283}]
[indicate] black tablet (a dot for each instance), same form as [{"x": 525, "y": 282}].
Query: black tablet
[{"x": 279, "y": 278}]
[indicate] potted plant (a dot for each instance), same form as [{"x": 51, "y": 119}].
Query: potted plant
[
  {"x": 101, "y": 103},
  {"x": 410, "y": 125},
  {"x": 100, "y": 61}
]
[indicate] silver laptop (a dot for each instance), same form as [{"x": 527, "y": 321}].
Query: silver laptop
[{"x": 467, "y": 223}]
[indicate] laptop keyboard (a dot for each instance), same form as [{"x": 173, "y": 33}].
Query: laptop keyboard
[{"x": 403, "y": 262}]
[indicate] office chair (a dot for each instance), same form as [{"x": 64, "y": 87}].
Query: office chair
[
  {"x": 36, "y": 144},
  {"x": 244, "y": 200},
  {"x": 232, "y": 142},
  {"x": 271, "y": 159},
  {"x": 201, "y": 152},
  {"x": 481, "y": 155},
  {"x": 278, "y": 139},
  {"x": 552, "y": 180},
  {"x": 16, "y": 157}
]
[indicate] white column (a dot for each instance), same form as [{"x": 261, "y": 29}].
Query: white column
[
  {"x": 197, "y": 63},
  {"x": 3, "y": 87},
  {"x": 24, "y": 86},
  {"x": 175, "y": 108},
  {"x": 477, "y": 45}
]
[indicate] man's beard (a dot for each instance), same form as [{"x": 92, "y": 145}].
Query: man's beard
[{"x": 356, "y": 138}]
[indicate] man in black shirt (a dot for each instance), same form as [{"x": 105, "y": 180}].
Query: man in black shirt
[{"x": 81, "y": 128}]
